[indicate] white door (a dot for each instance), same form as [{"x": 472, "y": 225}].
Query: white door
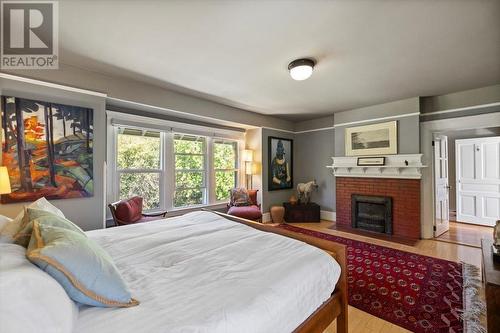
[
  {"x": 441, "y": 185},
  {"x": 478, "y": 180}
]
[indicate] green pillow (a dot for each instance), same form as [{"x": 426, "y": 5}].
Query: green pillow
[
  {"x": 43, "y": 217},
  {"x": 81, "y": 266}
]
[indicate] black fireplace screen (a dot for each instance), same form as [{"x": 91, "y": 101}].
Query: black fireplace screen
[{"x": 372, "y": 213}]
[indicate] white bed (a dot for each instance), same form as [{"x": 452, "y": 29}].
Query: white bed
[{"x": 203, "y": 273}]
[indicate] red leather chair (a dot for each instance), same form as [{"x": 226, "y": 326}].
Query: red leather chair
[
  {"x": 129, "y": 211},
  {"x": 251, "y": 212}
]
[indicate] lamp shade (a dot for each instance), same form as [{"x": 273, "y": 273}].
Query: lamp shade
[
  {"x": 248, "y": 155},
  {"x": 4, "y": 181},
  {"x": 248, "y": 168}
]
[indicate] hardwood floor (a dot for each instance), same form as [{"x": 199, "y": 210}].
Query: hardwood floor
[
  {"x": 362, "y": 322},
  {"x": 466, "y": 234}
]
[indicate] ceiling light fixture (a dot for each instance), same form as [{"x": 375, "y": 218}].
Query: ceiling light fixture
[{"x": 301, "y": 69}]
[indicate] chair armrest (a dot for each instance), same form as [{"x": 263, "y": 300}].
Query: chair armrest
[{"x": 163, "y": 213}]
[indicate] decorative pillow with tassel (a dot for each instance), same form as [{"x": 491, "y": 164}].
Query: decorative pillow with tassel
[{"x": 81, "y": 266}]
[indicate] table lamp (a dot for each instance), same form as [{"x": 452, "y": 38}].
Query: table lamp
[{"x": 248, "y": 159}]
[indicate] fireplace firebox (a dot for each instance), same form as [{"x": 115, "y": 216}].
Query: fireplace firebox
[{"x": 372, "y": 213}]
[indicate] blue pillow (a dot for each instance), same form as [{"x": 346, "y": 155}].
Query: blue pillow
[{"x": 82, "y": 267}]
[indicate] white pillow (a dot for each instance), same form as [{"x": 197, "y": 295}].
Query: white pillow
[
  {"x": 11, "y": 228},
  {"x": 30, "y": 299}
]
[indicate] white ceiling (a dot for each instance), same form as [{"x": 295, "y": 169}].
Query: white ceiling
[{"x": 237, "y": 52}]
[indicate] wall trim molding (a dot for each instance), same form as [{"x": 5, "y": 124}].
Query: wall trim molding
[
  {"x": 466, "y": 108},
  {"x": 51, "y": 85},
  {"x": 328, "y": 215},
  {"x": 315, "y": 130},
  {"x": 140, "y": 106},
  {"x": 377, "y": 119},
  {"x": 345, "y": 124},
  {"x": 278, "y": 129}
]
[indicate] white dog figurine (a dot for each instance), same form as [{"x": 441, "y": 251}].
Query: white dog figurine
[{"x": 304, "y": 191}]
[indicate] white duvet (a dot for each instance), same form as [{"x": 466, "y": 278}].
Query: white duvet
[{"x": 202, "y": 273}]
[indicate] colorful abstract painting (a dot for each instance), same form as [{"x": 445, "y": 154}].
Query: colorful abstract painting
[{"x": 47, "y": 149}]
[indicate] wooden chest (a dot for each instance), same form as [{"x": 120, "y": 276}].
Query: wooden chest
[{"x": 302, "y": 212}]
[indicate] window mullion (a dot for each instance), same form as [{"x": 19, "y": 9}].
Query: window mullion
[
  {"x": 169, "y": 170},
  {"x": 210, "y": 172}
]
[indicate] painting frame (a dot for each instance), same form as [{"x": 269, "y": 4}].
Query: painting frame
[
  {"x": 371, "y": 161},
  {"x": 48, "y": 149},
  {"x": 272, "y": 149},
  {"x": 373, "y": 139}
]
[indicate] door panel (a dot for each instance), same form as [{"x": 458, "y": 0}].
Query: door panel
[
  {"x": 466, "y": 168},
  {"x": 468, "y": 205},
  {"x": 491, "y": 207},
  {"x": 479, "y": 187},
  {"x": 441, "y": 188},
  {"x": 478, "y": 180},
  {"x": 491, "y": 158}
]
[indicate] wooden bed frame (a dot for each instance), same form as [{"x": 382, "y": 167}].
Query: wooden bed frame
[{"x": 333, "y": 308}]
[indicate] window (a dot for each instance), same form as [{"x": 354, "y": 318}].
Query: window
[
  {"x": 170, "y": 169},
  {"x": 138, "y": 161},
  {"x": 225, "y": 167},
  {"x": 190, "y": 170}
]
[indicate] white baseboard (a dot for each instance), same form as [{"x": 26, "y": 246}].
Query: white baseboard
[
  {"x": 324, "y": 215},
  {"x": 266, "y": 217},
  {"x": 328, "y": 215}
]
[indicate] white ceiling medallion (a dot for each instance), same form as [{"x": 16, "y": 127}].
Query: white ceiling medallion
[{"x": 301, "y": 69}]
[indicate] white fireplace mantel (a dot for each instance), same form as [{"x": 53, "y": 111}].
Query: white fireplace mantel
[{"x": 405, "y": 166}]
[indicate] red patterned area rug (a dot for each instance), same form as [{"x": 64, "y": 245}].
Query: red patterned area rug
[{"x": 416, "y": 292}]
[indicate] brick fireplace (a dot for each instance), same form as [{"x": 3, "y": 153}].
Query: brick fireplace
[{"x": 405, "y": 194}]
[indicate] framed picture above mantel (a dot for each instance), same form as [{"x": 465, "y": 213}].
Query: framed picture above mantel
[{"x": 374, "y": 139}]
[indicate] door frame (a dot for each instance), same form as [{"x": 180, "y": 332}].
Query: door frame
[{"x": 427, "y": 131}]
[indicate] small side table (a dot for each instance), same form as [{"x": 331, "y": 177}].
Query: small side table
[
  {"x": 302, "y": 212},
  {"x": 491, "y": 277}
]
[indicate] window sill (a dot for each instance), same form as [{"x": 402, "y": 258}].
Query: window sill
[{"x": 183, "y": 210}]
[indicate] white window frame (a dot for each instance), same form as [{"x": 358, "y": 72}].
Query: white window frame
[
  {"x": 236, "y": 169},
  {"x": 205, "y": 185},
  {"x": 167, "y": 130},
  {"x": 161, "y": 170}
]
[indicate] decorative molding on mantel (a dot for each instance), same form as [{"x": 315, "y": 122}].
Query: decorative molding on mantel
[{"x": 395, "y": 167}]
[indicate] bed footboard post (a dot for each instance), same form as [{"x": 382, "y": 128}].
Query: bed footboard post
[{"x": 342, "y": 318}]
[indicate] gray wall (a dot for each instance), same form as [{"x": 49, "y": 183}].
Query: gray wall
[
  {"x": 313, "y": 153},
  {"x": 270, "y": 198},
  {"x": 88, "y": 213},
  {"x": 408, "y": 126},
  {"x": 313, "y": 124},
  {"x": 462, "y": 104},
  {"x": 150, "y": 97},
  {"x": 452, "y": 137},
  {"x": 461, "y": 99}
]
